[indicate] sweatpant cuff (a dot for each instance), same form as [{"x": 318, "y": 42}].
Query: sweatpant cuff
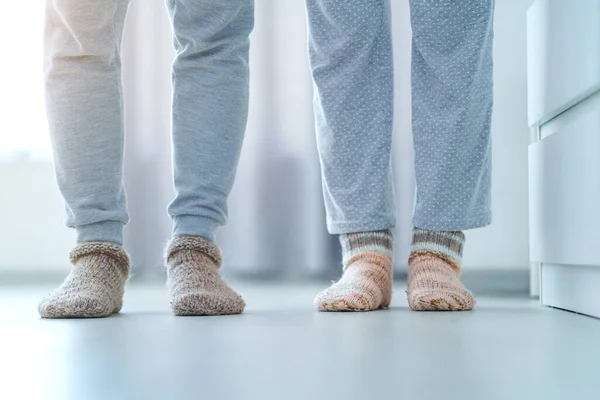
[
  {"x": 193, "y": 225},
  {"x": 373, "y": 225},
  {"x": 437, "y": 224},
  {"x": 105, "y": 231}
]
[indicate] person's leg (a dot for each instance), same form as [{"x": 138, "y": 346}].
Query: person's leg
[
  {"x": 351, "y": 60},
  {"x": 210, "y": 109},
  {"x": 85, "y": 115},
  {"x": 452, "y": 108}
]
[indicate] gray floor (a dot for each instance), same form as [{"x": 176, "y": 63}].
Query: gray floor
[{"x": 282, "y": 349}]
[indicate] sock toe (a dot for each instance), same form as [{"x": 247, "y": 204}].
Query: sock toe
[
  {"x": 207, "y": 303},
  {"x": 347, "y": 298},
  {"x": 434, "y": 267},
  {"x": 349, "y": 303},
  {"x": 78, "y": 307},
  {"x": 94, "y": 287},
  {"x": 441, "y": 300},
  {"x": 366, "y": 283},
  {"x": 193, "y": 279}
]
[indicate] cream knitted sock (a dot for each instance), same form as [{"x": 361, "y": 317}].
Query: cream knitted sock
[
  {"x": 434, "y": 268},
  {"x": 95, "y": 286},
  {"x": 366, "y": 283},
  {"x": 193, "y": 279}
]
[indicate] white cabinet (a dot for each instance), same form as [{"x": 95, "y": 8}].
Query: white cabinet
[
  {"x": 564, "y": 192},
  {"x": 563, "y": 39},
  {"x": 563, "y": 55}
]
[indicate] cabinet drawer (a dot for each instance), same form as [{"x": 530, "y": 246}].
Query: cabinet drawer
[
  {"x": 563, "y": 55},
  {"x": 564, "y": 188}
]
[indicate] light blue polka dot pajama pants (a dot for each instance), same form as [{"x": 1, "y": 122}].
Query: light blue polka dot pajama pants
[{"x": 352, "y": 65}]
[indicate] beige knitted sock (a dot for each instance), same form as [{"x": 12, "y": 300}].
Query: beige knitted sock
[
  {"x": 434, "y": 268},
  {"x": 95, "y": 286},
  {"x": 193, "y": 279},
  {"x": 366, "y": 284}
]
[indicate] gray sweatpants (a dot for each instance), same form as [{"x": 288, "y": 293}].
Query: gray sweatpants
[
  {"x": 85, "y": 110},
  {"x": 352, "y": 66}
]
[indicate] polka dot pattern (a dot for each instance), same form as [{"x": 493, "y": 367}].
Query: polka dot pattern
[
  {"x": 351, "y": 59},
  {"x": 452, "y": 110}
]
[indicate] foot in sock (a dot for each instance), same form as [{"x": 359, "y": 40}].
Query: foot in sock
[
  {"x": 95, "y": 286},
  {"x": 193, "y": 279},
  {"x": 434, "y": 269},
  {"x": 366, "y": 283}
]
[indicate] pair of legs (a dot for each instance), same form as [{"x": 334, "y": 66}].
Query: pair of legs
[
  {"x": 352, "y": 68},
  {"x": 85, "y": 114},
  {"x": 352, "y": 65}
]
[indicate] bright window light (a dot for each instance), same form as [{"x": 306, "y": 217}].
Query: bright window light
[{"x": 23, "y": 126}]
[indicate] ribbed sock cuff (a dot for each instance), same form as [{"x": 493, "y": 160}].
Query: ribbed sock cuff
[
  {"x": 183, "y": 247},
  {"x": 353, "y": 244},
  {"x": 109, "y": 250},
  {"x": 447, "y": 245}
]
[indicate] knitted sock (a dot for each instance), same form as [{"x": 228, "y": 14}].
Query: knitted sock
[
  {"x": 434, "y": 268},
  {"x": 366, "y": 284},
  {"x": 95, "y": 286},
  {"x": 193, "y": 279}
]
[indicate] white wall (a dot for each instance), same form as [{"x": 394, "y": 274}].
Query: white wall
[
  {"x": 506, "y": 242},
  {"x": 31, "y": 224},
  {"x": 32, "y": 232}
]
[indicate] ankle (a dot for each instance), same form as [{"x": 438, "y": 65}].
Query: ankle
[
  {"x": 379, "y": 244},
  {"x": 191, "y": 249},
  {"x": 445, "y": 245},
  {"x": 102, "y": 255}
]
